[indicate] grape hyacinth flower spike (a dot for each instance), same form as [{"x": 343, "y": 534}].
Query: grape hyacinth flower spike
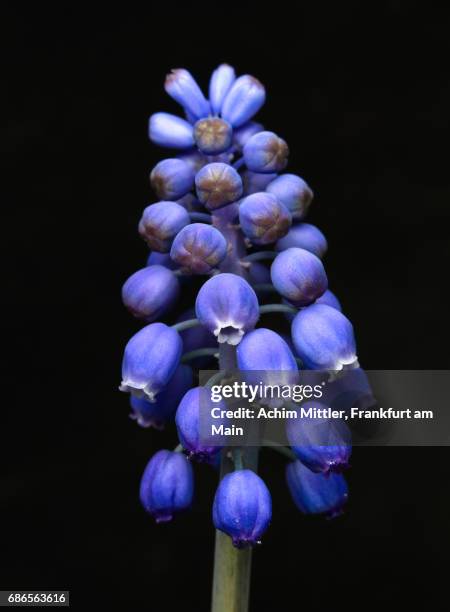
[{"x": 229, "y": 244}]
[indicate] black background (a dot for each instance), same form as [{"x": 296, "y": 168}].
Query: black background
[{"x": 361, "y": 92}]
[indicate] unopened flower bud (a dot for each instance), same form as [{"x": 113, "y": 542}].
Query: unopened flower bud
[
  {"x": 182, "y": 87},
  {"x": 217, "y": 185},
  {"x": 263, "y": 218},
  {"x": 227, "y": 306},
  {"x": 150, "y": 292},
  {"x": 295, "y": 194},
  {"x": 160, "y": 223},
  {"x": 150, "y": 360},
  {"x": 243, "y": 100},
  {"x": 199, "y": 248},
  {"x": 266, "y": 152},
  {"x": 167, "y": 486},
  {"x": 171, "y": 179},
  {"x": 304, "y": 236},
  {"x": 213, "y": 135},
  {"x": 316, "y": 493},
  {"x": 299, "y": 276},
  {"x": 323, "y": 338},
  {"x": 242, "y": 507},
  {"x": 170, "y": 131},
  {"x": 221, "y": 80}
]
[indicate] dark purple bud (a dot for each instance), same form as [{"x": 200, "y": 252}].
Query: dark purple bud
[
  {"x": 222, "y": 79},
  {"x": 242, "y": 507},
  {"x": 213, "y": 135},
  {"x": 329, "y": 299},
  {"x": 263, "y": 218},
  {"x": 199, "y": 248},
  {"x": 323, "y": 338},
  {"x": 156, "y": 414},
  {"x": 150, "y": 292},
  {"x": 323, "y": 445},
  {"x": 244, "y": 133},
  {"x": 295, "y": 194},
  {"x": 160, "y": 223},
  {"x": 228, "y": 307},
  {"x": 304, "y": 236},
  {"x": 299, "y": 276},
  {"x": 170, "y": 131},
  {"x": 182, "y": 87},
  {"x": 217, "y": 185},
  {"x": 243, "y": 100},
  {"x": 172, "y": 178},
  {"x": 254, "y": 181},
  {"x": 150, "y": 360},
  {"x": 167, "y": 486},
  {"x": 266, "y": 152},
  {"x": 194, "y": 420},
  {"x": 316, "y": 493}
]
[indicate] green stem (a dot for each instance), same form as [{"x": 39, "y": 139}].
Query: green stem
[
  {"x": 264, "y": 287},
  {"x": 200, "y": 352},
  {"x": 237, "y": 459},
  {"x": 199, "y": 217},
  {"x": 283, "y": 450},
  {"x": 260, "y": 255},
  {"x": 182, "y": 325},
  {"x": 232, "y": 566},
  {"x": 277, "y": 308},
  {"x": 215, "y": 379}
]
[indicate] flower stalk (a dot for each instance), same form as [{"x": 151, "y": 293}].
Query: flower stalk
[{"x": 232, "y": 566}]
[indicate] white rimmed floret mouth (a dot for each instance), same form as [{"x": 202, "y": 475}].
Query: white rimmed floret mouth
[
  {"x": 140, "y": 392},
  {"x": 340, "y": 367},
  {"x": 229, "y": 333}
]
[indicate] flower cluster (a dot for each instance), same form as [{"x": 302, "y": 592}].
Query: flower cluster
[{"x": 228, "y": 214}]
